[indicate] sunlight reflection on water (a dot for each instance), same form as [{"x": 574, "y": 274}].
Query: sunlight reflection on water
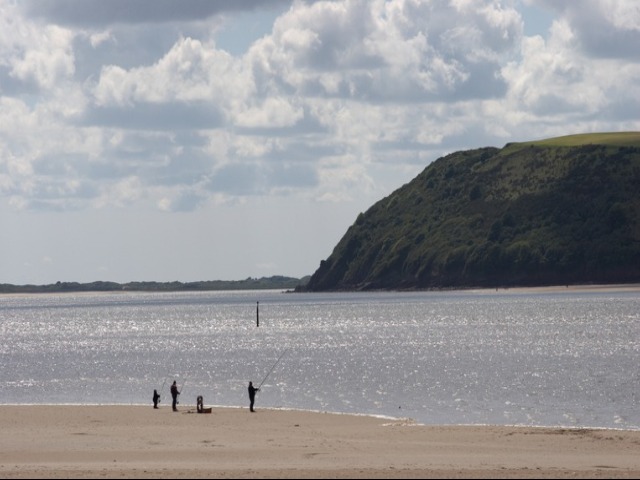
[{"x": 446, "y": 358}]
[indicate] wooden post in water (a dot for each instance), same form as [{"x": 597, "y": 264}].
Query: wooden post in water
[{"x": 257, "y": 314}]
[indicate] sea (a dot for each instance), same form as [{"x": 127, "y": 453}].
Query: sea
[{"x": 533, "y": 358}]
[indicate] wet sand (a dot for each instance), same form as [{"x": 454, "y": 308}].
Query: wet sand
[{"x": 140, "y": 442}]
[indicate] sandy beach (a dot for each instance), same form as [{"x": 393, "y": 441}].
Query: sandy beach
[
  {"x": 140, "y": 442},
  {"x": 587, "y": 288}
]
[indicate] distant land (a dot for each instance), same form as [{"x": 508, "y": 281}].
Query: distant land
[
  {"x": 559, "y": 211},
  {"x": 265, "y": 283}
]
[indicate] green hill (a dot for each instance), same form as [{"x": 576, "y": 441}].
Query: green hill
[{"x": 557, "y": 211}]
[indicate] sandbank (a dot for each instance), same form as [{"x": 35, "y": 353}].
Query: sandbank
[
  {"x": 586, "y": 288},
  {"x": 140, "y": 442}
]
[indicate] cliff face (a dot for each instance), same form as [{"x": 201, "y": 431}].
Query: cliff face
[{"x": 559, "y": 211}]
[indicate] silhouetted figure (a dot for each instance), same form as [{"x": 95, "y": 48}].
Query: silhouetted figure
[
  {"x": 252, "y": 395},
  {"x": 174, "y": 394},
  {"x": 156, "y": 398}
]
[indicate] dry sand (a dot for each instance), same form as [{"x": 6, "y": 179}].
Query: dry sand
[{"x": 140, "y": 442}]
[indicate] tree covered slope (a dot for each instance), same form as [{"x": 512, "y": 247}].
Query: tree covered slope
[{"x": 557, "y": 211}]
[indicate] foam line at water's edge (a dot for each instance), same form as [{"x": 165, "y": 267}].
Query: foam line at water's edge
[{"x": 409, "y": 422}]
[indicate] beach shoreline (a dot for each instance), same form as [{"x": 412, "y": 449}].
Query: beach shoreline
[
  {"x": 121, "y": 441},
  {"x": 584, "y": 288}
]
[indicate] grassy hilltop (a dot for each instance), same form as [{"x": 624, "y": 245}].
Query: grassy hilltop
[
  {"x": 548, "y": 212},
  {"x": 613, "y": 139}
]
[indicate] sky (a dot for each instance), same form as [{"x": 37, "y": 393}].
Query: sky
[{"x": 166, "y": 140}]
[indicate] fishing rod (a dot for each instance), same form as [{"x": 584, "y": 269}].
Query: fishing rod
[
  {"x": 181, "y": 390},
  {"x": 274, "y": 366},
  {"x": 162, "y": 389}
]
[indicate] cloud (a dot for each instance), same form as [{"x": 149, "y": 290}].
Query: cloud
[
  {"x": 48, "y": 60},
  {"x": 32, "y": 57},
  {"x": 99, "y": 13},
  {"x": 190, "y": 71},
  {"x": 603, "y": 28},
  {"x": 388, "y": 51},
  {"x": 273, "y": 113},
  {"x": 155, "y": 116},
  {"x": 181, "y": 201},
  {"x": 119, "y": 103},
  {"x": 559, "y": 79}
]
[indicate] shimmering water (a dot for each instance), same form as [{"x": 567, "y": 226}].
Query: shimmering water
[{"x": 568, "y": 359}]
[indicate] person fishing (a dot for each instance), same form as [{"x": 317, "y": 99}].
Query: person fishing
[
  {"x": 156, "y": 398},
  {"x": 174, "y": 394},
  {"x": 253, "y": 390},
  {"x": 252, "y": 395}
]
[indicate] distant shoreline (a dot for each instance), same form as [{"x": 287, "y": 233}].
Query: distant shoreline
[
  {"x": 286, "y": 284},
  {"x": 264, "y": 283}
]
